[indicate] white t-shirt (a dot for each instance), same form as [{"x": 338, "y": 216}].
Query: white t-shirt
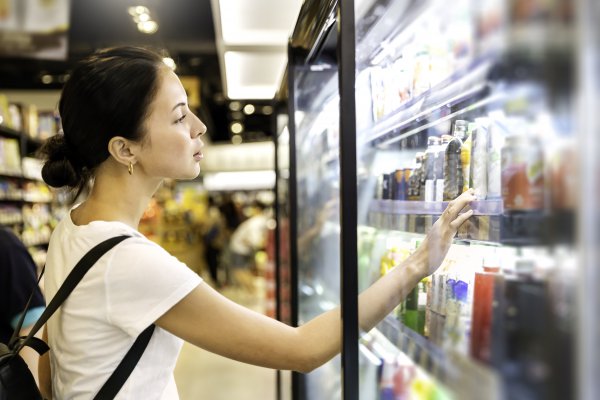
[{"x": 128, "y": 289}]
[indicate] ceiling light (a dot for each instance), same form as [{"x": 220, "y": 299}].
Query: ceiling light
[
  {"x": 236, "y": 139},
  {"x": 170, "y": 63},
  {"x": 47, "y": 79},
  {"x": 253, "y": 75},
  {"x": 235, "y": 106},
  {"x": 267, "y": 110},
  {"x": 248, "y": 109},
  {"x": 148, "y": 27},
  {"x": 236, "y": 127},
  {"x": 246, "y": 32},
  {"x": 142, "y": 18},
  {"x": 138, "y": 10},
  {"x": 246, "y": 22}
]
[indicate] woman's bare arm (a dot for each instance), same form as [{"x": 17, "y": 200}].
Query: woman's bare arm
[
  {"x": 45, "y": 380},
  {"x": 208, "y": 320}
]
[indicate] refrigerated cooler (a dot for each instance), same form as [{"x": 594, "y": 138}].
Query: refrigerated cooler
[
  {"x": 424, "y": 100},
  {"x": 313, "y": 125}
]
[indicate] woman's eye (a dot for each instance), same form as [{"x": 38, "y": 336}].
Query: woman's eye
[{"x": 179, "y": 120}]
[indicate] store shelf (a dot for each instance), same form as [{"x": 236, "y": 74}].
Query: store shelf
[
  {"x": 490, "y": 223},
  {"x": 465, "y": 89},
  {"x": 9, "y": 175},
  {"x": 13, "y": 223},
  {"x": 31, "y": 200},
  {"x": 465, "y": 377},
  {"x": 519, "y": 51},
  {"x": 11, "y": 133},
  {"x": 552, "y": 37},
  {"x": 483, "y": 207}
]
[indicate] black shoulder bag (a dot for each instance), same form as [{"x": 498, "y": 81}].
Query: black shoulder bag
[{"x": 16, "y": 380}]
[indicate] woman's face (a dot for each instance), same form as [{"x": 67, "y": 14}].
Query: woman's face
[{"x": 172, "y": 146}]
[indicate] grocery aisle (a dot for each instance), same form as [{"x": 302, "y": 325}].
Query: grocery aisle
[{"x": 204, "y": 375}]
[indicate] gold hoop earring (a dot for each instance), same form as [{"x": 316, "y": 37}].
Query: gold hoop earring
[{"x": 130, "y": 168}]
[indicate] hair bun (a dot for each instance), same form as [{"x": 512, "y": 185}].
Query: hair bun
[{"x": 58, "y": 169}]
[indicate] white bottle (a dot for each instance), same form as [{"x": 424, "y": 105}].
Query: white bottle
[{"x": 429, "y": 161}]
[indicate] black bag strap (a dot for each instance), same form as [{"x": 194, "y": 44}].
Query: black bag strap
[
  {"x": 118, "y": 378},
  {"x": 120, "y": 375},
  {"x": 74, "y": 277},
  {"x": 15, "y": 335}
]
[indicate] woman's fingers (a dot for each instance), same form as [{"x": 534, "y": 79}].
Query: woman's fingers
[
  {"x": 460, "y": 219},
  {"x": 456, "y": 205}
]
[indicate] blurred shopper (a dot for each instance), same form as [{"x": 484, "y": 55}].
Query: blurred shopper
[
  {"x": 17, "y": 281},
  {"x": 213, "y": 238},
  {"x": 249, "y": 238},
  {"x": 128, "y": 126},
  {"x": 231, "y": 212}
]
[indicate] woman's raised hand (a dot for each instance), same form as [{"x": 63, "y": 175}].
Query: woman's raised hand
[{"x": 438, "y": 240}]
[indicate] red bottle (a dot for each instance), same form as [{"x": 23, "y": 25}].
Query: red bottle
[{"x": 483, "y": 296}]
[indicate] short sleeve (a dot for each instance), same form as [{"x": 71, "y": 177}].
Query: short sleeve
[{"x": 143, "y": 281}]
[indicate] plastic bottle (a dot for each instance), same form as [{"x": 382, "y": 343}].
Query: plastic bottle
[
  {"x": 439, "y": 167},
  {"x": 465, "y": 156},
  {"x": 386, "y": 387},
  {"x": 483, "y": 296},
  {"x": 479, "y": 156},
  {"x": 414, "y": 181},
  {"x": 522, "y": 173},
  {"x": 453, "y": 170},
  {"x": 494, "y": 162},
  {"x": 429, "y": 160}
]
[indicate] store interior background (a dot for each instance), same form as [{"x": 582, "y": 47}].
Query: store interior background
[{"x": 237, "y": 105}]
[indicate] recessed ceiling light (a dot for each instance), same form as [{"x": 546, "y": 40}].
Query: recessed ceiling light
[
  {"x": 248, "y": 109},
  {"x": 148, "y": 27},
  {"x": 142, "y": 18},
  {"x": 267, "y": 110},
  {"x": 47, "y": 79},
  {"x": 137, "y": 10},
  {"x": 236, "y": 139},
  {"x": 235, "y": 106},
  {"x": 236, "y": 127}
]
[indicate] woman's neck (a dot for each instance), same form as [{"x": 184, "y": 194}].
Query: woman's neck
[{"x": 115, "y": 198}]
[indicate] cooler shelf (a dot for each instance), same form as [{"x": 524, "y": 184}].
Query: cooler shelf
[
  {"x": 484, "y": 207},
  {"x": 470, "y": 90},
  {"x": 490, "y": 222},
  {"x": 466, "y": 377}
]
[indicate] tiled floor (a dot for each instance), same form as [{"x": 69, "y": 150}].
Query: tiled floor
[{"x": 202, "y": 375}]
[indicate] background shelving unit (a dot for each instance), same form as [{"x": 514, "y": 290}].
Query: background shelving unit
[{"x": 27, "y": 205}]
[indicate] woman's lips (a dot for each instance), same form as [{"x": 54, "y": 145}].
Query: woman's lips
[{"x": 198, "y": 156}]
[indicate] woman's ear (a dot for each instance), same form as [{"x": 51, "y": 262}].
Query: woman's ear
[{"x": 122, "y": 150}]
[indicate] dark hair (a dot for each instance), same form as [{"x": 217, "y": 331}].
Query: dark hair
[{"x": 107, "y": 95}]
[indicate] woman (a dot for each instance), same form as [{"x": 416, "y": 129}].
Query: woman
[{"x": 127, "y": 125}]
